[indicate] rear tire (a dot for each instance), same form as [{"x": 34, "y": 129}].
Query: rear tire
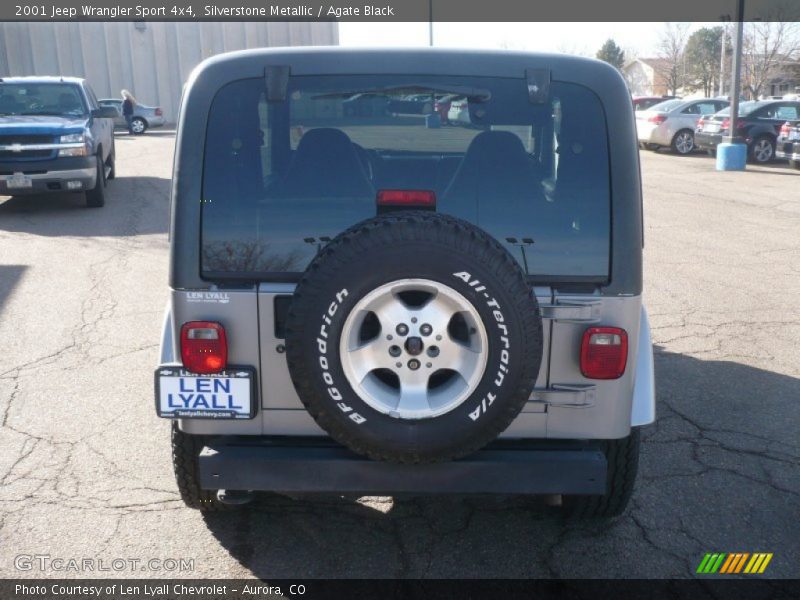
[
  {"x": 712, "y": 153},
  {"x": 138, "y": 126},
  {"x": 762, "y": 151},
  {"x": 111, "y": 163},
  {"x": 95, "y": 198},
  {"x": 795, "y": 164},
  {"x": 683, "y": 142},
  {"x": 623, "y": 463},
  {"x": 185, "y": 452},
  {"x": 652, "y": 147}
]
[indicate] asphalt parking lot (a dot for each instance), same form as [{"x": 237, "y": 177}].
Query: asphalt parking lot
[{"x": 85, "y": 464}]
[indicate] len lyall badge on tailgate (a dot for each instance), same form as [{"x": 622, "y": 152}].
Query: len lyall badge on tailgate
[{"x": 229, "y": 394}]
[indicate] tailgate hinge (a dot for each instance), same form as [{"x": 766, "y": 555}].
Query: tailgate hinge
[
  {"x": 572, "y": 311},
  {"x": 562, "y": 394}
]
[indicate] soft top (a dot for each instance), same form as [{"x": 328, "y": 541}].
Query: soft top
[{"x": 602, "y": 79}]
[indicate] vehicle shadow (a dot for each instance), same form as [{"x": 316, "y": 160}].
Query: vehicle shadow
[
  {"x": 10, "y": 276},
  {"x": 709, "y": 442},
  {"x": 134, "y": 206}
]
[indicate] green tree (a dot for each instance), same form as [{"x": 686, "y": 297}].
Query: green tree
[
  {"x": 612, "y": 54},
  {"x": 702, "y": 60}
]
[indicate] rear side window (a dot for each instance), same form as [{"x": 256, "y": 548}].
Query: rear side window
[{"x": 281, "y": 179}]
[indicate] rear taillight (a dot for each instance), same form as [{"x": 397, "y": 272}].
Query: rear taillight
[
  {"x": 785, "y": 129},
  {"x": 725, "y": 124},
  {"x": 657, "y": 119},
  {"x": 204, "y": 348},
  {"x": 407, "y": 198},
  {"x": 604, "y": 352},
  {"x": 159, "y": 112},
  {"x": 700, "y": 123}
]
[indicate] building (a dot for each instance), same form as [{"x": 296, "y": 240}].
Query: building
[
  {"x": 647, "y": 77},
  {"x": 151, "y": 59}
]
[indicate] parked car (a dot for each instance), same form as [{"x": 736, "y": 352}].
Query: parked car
[
  {"x": 645, "y": 102},
  {"x": 442, "y": 107},
  {"x": 788, "y": 144},
  {"x": 341, "y": 329},
  {"x": 758, "y": 125},
  {"x": 366, "y": 105},
  {"x": 414, "y": 104},
  {"x": 144, "y": 117},
  {"x": 54, "y": 137},
  {"x": 672, "y": 123}
]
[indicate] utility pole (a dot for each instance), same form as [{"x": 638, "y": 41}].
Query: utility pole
[
  {"x": 732, "y": 151},
  {"x": 737, "y": 67}
]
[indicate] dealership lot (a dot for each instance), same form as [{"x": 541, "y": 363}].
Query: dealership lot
[{"x": 85, "y": 464}]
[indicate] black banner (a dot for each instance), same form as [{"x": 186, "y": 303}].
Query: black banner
[
  {"x": 397, "y": 10},
  {"x": 231, "y": 589}
]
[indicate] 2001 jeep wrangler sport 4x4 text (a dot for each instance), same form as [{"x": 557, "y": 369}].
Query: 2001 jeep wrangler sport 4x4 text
[{"x": 406, "y": 271}]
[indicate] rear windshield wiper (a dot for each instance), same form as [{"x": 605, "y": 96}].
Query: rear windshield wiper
[{"x": 473, "y": 93}]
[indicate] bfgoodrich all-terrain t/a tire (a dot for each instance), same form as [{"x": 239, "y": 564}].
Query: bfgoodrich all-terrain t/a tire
[
  {"x": 623, "y": 463},
  {"x": 185, "y": 453},
  {"x": 413, "y": 338}
]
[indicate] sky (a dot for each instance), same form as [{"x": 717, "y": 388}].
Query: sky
[{"x": 640, "y": 39}]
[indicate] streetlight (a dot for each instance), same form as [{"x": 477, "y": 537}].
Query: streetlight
[{"x": 430, "y": 23}]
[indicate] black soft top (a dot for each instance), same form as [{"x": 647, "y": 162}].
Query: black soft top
[{"x": 601, "y": 78}]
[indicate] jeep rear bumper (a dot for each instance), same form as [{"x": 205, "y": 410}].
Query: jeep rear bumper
[{"x": 316, "y": 466}]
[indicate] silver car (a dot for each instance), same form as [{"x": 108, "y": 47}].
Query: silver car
[
  {"x": 672, "y": 123},
  {"x": 144, "y": 117}
]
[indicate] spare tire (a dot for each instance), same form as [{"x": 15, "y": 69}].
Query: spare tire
[{"x": 414, "y": 337}]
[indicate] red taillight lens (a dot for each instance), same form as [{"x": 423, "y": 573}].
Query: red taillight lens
[
  {"x": 725, "y": 124},
  {"x": 204, "y": 348},
  {"x": 409, "y": 198},
  {"x": 657, "y": 119},
  {"x": 604, "y": 352},
  {"x": 785, "y": 130},
  {"x": 159, "y": 112}
]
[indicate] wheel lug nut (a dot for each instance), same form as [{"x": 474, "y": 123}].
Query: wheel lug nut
[
  {"x": 426, "y": 329},
  {"x": 413, "y": 364},
  {"x": 433, "y": 351},
  {"x": 402, "y": 329},
  {"x": 395, "y": 351}
]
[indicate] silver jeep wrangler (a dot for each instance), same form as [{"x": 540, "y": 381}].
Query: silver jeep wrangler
[{"x": 406, "y": 272}]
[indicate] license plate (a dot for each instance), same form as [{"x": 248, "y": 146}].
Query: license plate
[
  {"x": 229, "y": 394},
  {"x": 711, "y": 127},
  {"x": 794, "y": 136},
  {"x": 18, "y": 181}
]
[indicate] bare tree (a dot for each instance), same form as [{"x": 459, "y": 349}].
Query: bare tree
[
  {"x": 767, "y": 49},
  {"x": 672, "y": 55}
]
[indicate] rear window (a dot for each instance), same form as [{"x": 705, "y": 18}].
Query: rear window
[
  {"x": 667, "y": 105},
  {"x": 281, "y": 179},
  {"x": 745, "y": 108}
]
